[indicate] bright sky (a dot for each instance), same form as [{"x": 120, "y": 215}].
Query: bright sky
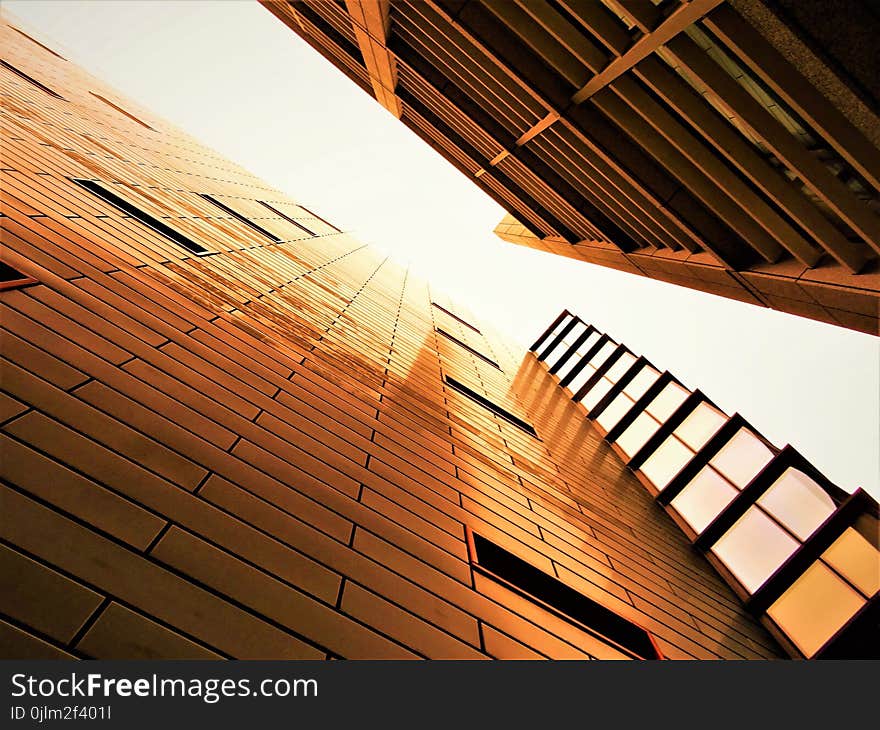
[{"x": 238, "y": 80}]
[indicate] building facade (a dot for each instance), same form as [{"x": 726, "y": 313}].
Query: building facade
[
  {"x": 231, "y": 430},
  {"x": 730, "y": 146},
  {"x": 801, "y": 552}
]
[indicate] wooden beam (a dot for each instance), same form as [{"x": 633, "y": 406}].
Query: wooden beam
[
  {"x": 646, "y": 45},
  {"x": 370, "y": 22}
]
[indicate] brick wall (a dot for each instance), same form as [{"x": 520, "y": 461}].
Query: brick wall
[{"x": 253, "y": 453}]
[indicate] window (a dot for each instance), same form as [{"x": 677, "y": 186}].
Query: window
[
  {"x": 34, "y": 40},
  {"x": 832, "y": 590},
  {"x": 467, "y": 347},
  {"x": 315, "y": 215},
  {"x": 240, "y": 217},
  {"x": 553, "y": 594},
  {"x": 286, "y": 217},
  {"x": 455, "y": 317},
  {"x": 553, "y": 357},
  {"x": 121, "y": 110},
  {"x": 123, "y": 205},
  {"x": 489, "y": 405},
  {"x": 773, "y": 528},
  {"x": 34, "y": 82},
  {"x": 679, "y": 447},
  {"x": 12, "y": 278}
]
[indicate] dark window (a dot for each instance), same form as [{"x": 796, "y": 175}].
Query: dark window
[
  {"x": 145, "y": 218},
  {"x": 526, "y": 579},
  {"x": 286, "y": 217},
  {"x": 467, "y": 347},
  {"x": 455, "y": 317},
  {"x": 238, "y": 216},
  {"x": 34, "y": 40},
  {"x": 23, "y": 75},
  {"x": 489, "y": 405},
  {"x": 315, "y": 215},
  {"x": 121, "y": 110},
  {"x": 12, "y": 278}
]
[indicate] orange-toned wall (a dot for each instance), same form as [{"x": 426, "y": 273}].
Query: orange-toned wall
[{"x": 252, "y": 454}]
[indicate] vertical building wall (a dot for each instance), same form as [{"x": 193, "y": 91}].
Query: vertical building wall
[{"x": 252, "y": 452}]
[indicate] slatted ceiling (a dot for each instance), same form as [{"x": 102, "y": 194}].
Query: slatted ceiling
[
  {"x": 589, "y": 182},
  {"x": 486, "y": 86},
  {"x": 465, "y": 48},
  {"x": 591, "y": 58},
  {"x": 604, "y": 26},
  {"x": 694, "y": 180},
  {"x": 498, "y": 125},
  {"x": 338, "y": 17},
  {"x": 743, "y": 42},
  {"x": 554, "y": 203},
  {"x": 614, "y": 189},
  {"x": 717, "y": 170},
  {"x": 635, "y": 14},
  {"x": 336, "y": 30},
  {"x": 738, "y": 152},
  {"x": 786, "y": 147},
  {"x": 541, "y": 40},
  {"x": 626, "y": 163},
  {"x": 453, "y": 116}
]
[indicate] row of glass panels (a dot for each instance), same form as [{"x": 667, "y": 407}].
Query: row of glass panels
[{"x": 830, "y": 592}]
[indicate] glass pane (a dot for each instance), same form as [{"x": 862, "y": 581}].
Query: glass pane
[
  {"x": 742, "y": 457},
  {"x": 814, "y": 608},
  {"x": 624, "y": 363},
  {"x": 639, "y": 385},
  {"x": 700, "y": 425},
  {"x": 670, "y": 398},
  {"x": 596, "y": 393},
  {"x": 582, "y": 377},
  {"x": 857, "y": 560},
  {"x": 557, "y": 352},
  {"x": 754, "y": 548},
  {"x": 704, "y": 498},
  {"x": 797, "y": 502},
  {"x": 581, "y": 351},
  {"x": 603, "y": 354},
  {"x": 618, "y": 408},
  {"x": 666, "y": 462},
  {"x": 637, "y": 433},
  {"x": 556, "y": 330}
]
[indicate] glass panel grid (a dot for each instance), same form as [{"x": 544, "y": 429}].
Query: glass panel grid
[
  {"x": 741, "y": 458},
  {"x": 754, "y": 548},
  {"x": 704, "y": 498}
]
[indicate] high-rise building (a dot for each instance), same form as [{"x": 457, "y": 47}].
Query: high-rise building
[
  {"x": 731, "y": 146},
  {"x": 229, "y": 429}
]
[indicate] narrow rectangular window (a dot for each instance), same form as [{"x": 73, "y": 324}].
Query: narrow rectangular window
[
  {"x": 525, "y": 579},
  {"x": 34, "y": 40},
  {"x": 121, "y": 110},
  {"x": 12, "y": 278},
  {"x": 100, "y": 191},
  {"x": 286, "y": 217},
  {"x": 315, "y": 215},
  {"x": 455, "y": 317},
  {"x": 489, "y": 405},
  {"x": 30, "y": 80},
  {"x": 238, "y": 216},
  {"x": 467, "y": 347}
]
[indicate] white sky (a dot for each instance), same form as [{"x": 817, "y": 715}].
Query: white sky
[{"x": 240, "y": 81}]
